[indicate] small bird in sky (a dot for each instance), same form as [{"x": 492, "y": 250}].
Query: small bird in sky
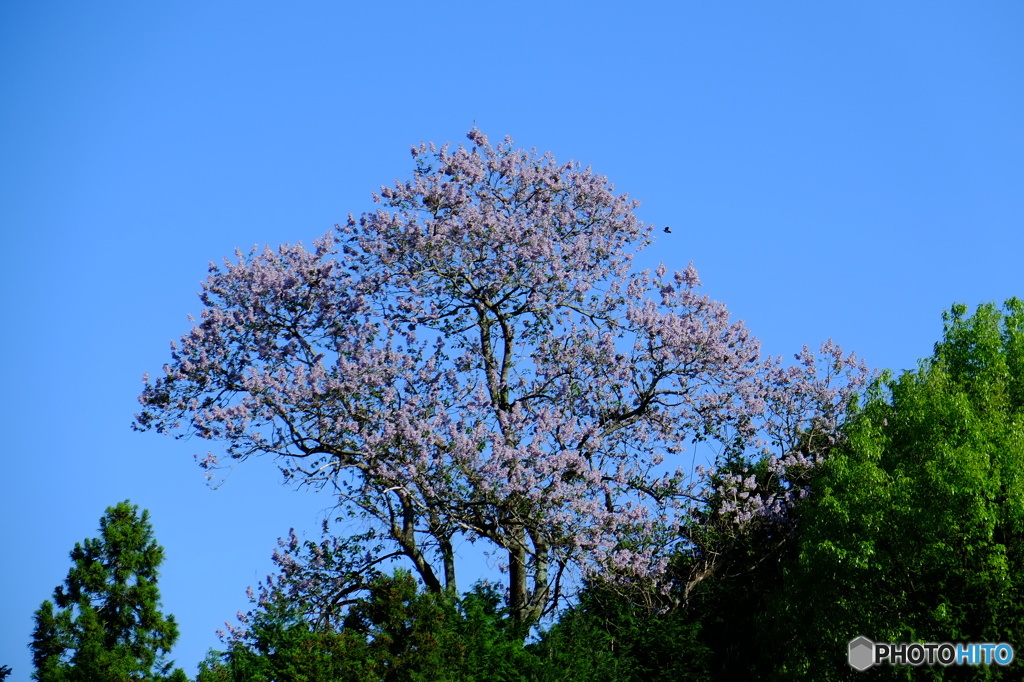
[{"x": 669, "y": 230}]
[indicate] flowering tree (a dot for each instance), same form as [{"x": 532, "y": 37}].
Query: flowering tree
[{"x": 475, "y": 361}]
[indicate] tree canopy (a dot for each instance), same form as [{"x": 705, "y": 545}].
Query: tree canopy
[
  {"x": 915, "y": 531},
  {"x": 395, "y": 631},
  {"x": 107, "y": 623},
  {"x": 476, "y": 362}
]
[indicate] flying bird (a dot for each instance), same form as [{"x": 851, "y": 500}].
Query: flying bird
[{"x": 669, "y": 230}]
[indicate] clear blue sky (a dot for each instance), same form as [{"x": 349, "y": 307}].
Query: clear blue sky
[{"x": 843, "y": 170}]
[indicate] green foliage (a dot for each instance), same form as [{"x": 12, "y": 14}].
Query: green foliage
[
  {"x": 724, "y": 583},
  {"x": 395, "y": 633},
  {"x": 610, "y": 636},
  {"x": 915, "y": 531},
  {"x": 281, "y": 646},
  {"x": 104, "y": 622}
]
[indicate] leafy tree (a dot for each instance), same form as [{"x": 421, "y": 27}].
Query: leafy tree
[
  {"x": 317, "y": 620},
  {"x": 725, "y": 583},
  {"x": 279, "y": 644},
  {"x": 715, "y": 621},
  {"x": 107, "y": 623},
  {"x": 712, "y": 622},
  {"x": 915, "y": 531},
  {"x": 475, "y": 361},
  {"x": 492, "y": 641},
  {"x": 5, "y": 670},
  {"x": 608, "y": 637},
  {"x": 396, "y": 632}
]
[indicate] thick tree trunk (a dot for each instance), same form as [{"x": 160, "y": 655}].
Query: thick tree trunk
[
  {"x": 518, "y": 594},
  {"x": 528, "y": 605}
]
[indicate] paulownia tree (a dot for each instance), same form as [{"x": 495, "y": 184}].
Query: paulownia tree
[{"x": 475, "y": 361}]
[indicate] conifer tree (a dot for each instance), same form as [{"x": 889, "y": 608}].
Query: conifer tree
[{"x": 104, "y": 622}]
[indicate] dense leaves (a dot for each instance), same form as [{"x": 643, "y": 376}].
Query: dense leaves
[
  {"x": 916, "y": 528},
  {"x": 104, "y": 622},
  {"x": 397, "y": 632},
  {"x": 609, "y": 636}
]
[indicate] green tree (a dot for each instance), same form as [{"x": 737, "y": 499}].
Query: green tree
[
  {"x": 915, "y": 530},
  {"x": 727, "y": 578},
  {"x": 104, "y": 622},
  {"x": 613, "y": 635},
  {"x": 395, "y": 632}
]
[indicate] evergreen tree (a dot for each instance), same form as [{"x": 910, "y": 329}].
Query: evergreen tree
[
  {"x": 612, "y": 635},
  {"x": 104, "y": 622},
  {"x": 396, "y": 632}
]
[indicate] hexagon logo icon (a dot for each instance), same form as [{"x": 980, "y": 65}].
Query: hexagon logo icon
[{"x": 862, "y": 653}]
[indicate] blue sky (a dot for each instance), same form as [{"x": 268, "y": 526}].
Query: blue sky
[{"x": 843, "y": 170}]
